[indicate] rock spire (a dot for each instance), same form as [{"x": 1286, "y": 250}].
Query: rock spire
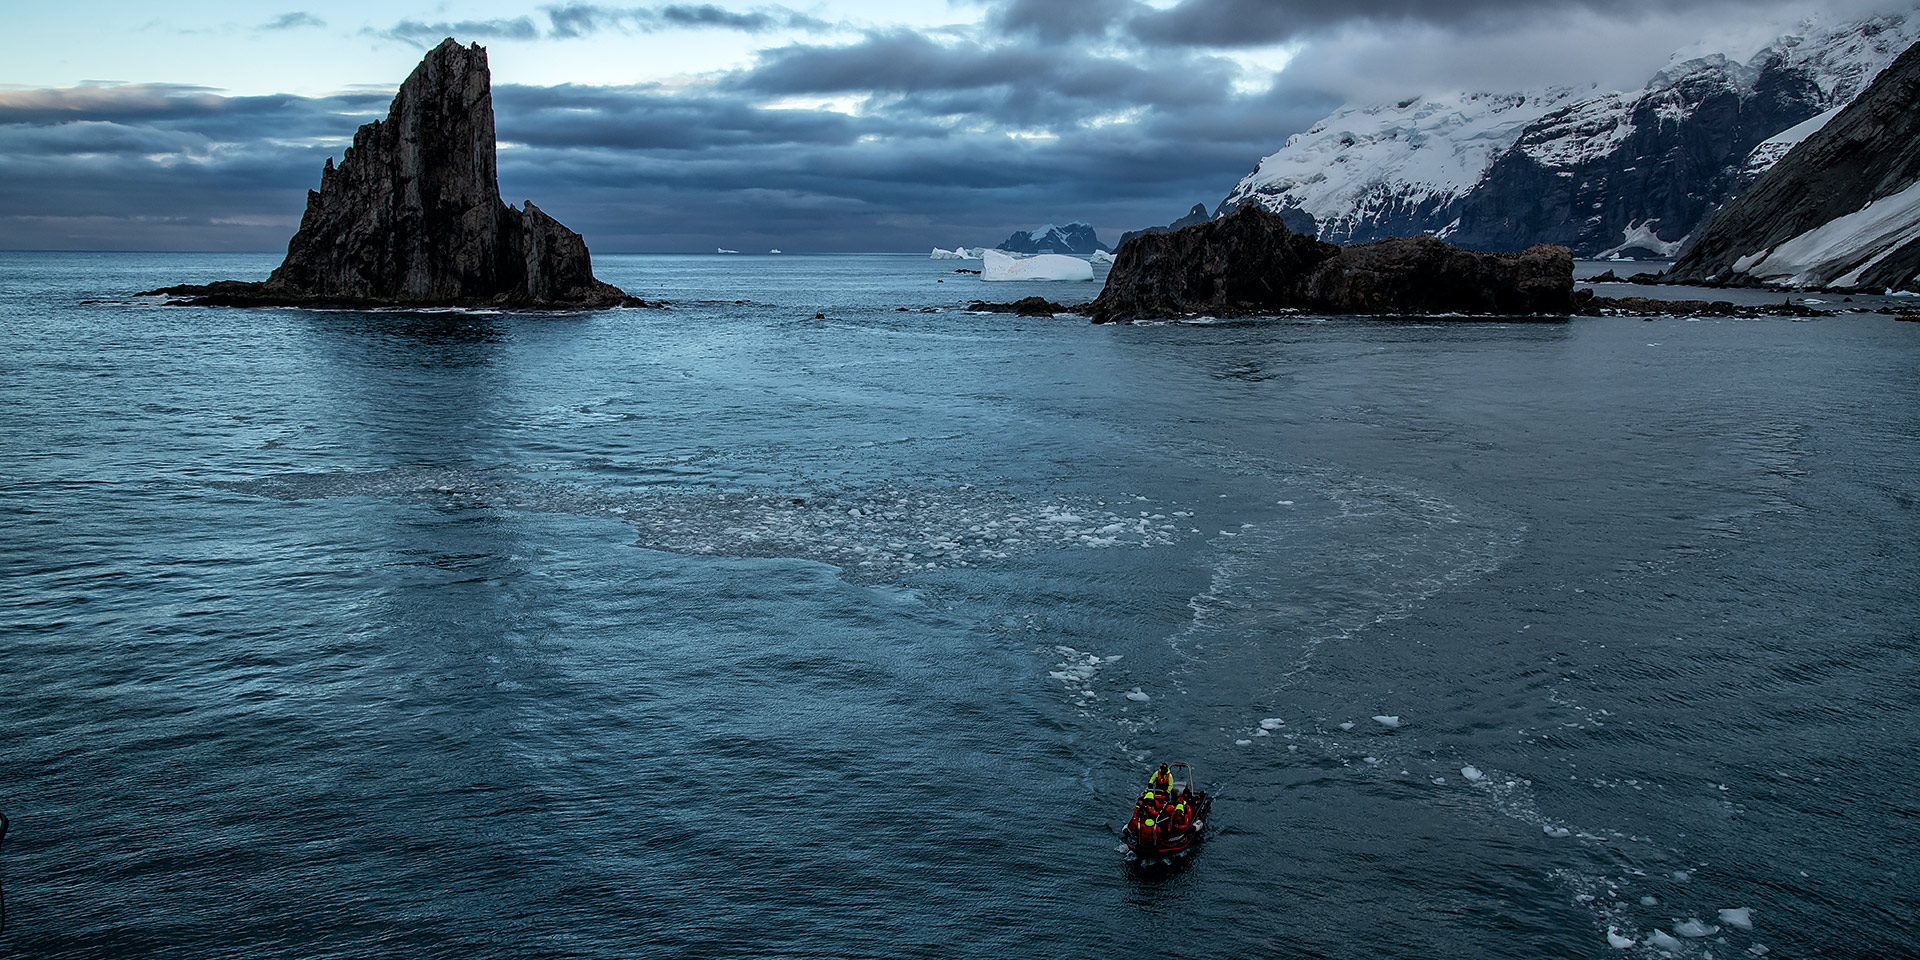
[{"x": 412, "y": 214}]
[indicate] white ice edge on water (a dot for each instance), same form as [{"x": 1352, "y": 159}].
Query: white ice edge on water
[{"x": 1046, "y": 266}]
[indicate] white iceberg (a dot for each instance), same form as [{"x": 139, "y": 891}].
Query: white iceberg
[
  {"x": 1471, "y": 772},
  {"x": 1388, "y": 722},
  {"x": 1741, "y": 917},
  {"x": 939, "y": 254},
  {"x": 1618, "y": 942},
  {"x": 1046, "y": 266},
  {"x": 1100, "y": 256}
]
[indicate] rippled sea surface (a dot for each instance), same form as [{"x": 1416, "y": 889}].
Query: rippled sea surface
[{"x": 790, "y": 623}]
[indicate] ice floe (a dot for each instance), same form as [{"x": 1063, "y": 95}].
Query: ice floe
[
  {"x": 1692, "y": 928},
  {"x": 1388, "y": 722},
  {"x": 1662, "y": 940},
  {"x": 1272, "y": 723},
  {"x": 1138, "y": 696},
  {"x": 1618, "y": 942},
  {"x": 1737, "y": 917},
  {"x": 1471, "y": 772}
]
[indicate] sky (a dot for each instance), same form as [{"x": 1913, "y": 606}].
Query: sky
[{"x": 829, "y": 126}]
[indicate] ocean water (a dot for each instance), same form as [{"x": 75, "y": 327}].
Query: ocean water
[{"x": 800, "y": 620}]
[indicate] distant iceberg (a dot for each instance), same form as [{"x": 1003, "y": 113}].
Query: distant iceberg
[
  {"x": 1046, "y": 266},
  {"x": 725, "y": 250},
  {"x": 1100, "y": 256},
  {"x": 939, "y": 254}
]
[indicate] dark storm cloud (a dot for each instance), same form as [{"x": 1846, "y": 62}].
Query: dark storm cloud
[
  {"x": 290, "y": 21},
  {"x": 428, "y": 34},
  {"x": 1012, "y": 82},
  {"x": 1247, "y": 23},
  {"x": 583, "y": 19},
  {"x": 1055, "y": 21}
]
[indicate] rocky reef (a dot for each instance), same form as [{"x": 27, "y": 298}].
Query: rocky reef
[
  {"x": 413, "y": 216},
  {"x": 1249, "y": 262}
]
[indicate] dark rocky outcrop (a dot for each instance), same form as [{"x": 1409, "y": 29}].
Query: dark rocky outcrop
[
  {"x": 1249, "y": 262},
  {"x": 1198, "y": 214},
  {"x": 1027, "y": 307},
  {"x": 1867, "y": 153},
  {"x": 413, "y": 215}
]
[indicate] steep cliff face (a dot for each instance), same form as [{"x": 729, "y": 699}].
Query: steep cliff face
[
  {"x": 412, "y": 214},
  {"x": 1628, "y": 173},
  {"x": 1841, "y": 209},
  {"x": 1250, "y": 262}
]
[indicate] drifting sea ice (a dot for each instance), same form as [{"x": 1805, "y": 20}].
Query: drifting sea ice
[
  {"x": 1348, "y": 725},
  {"x": 1693, "y": 928},
  {"x": 1618, "y": 942},
  {"x": 1661, "y": 939},
  {"x": 1046, "y": 266},
  {"x": 1388, "y": 722},
  {"x": 1138, "y": 696},
  {"x": 1739, "y": 917},
  {"x": 939, "y": 254},
  {"x": 1471, "y": 772},
  {"x": 1272, "y": 723}
]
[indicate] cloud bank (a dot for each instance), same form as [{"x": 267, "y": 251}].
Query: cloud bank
[{"x": 835, "y": 136}]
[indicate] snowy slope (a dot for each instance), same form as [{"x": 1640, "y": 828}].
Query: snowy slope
[
  {"x": 1837, "y": 253},
  {"x": 1633, "y": 170},
  {"x": 1365, "y": 165}
]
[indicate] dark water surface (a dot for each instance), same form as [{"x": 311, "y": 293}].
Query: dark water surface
[{"x": 727, "y": 630}]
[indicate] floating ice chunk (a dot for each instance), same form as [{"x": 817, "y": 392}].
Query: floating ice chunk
[
  {"x": 1758, "y": 950},
  {"x": 1618, "y": 942},
  {"x": 1556, "y": 832},
  {"x": 1137, "y": 696},
  {"x": 1387, "y": 721},
  {"x": 1272, "y": 723},
  {"x": 1100, "y": 256},
  {"x": 1263, "y": 733},
  {"x": 1243, "y": 743},
  {"x": 1471, "y": 772},
  {"x": 1660, "y": 939},
  {"x": 1347, "y": 725},
  {"x": 939, "y": 254},
  {"x": 1740, "y": 917},
  {"x": 1370, "y": 760},
  {"x": 1683, "y": 875},
  {"x": 1692, "y": 927},
  {"x": 1649, "y": 901},
  {"x": 1046, "y": 266}
]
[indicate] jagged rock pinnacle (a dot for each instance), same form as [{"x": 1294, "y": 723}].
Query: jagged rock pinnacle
[{"x": 412, "y": 213}]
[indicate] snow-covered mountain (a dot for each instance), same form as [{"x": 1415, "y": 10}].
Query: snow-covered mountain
[
  {"x": 1076, "y": 238},
  {"x": 1841, "y": 209},
  {"x": 1621, "y": 172}
]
